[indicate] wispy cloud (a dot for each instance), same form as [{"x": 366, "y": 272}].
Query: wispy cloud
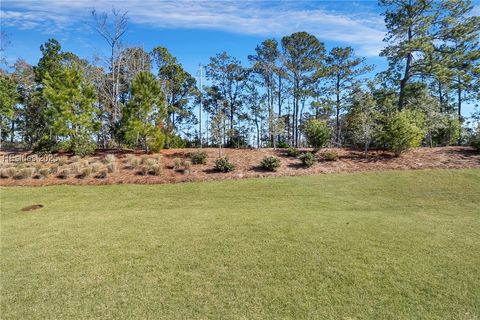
[{"x": 364, "y": 30}]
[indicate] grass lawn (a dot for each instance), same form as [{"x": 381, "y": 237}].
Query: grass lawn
[{"x": 392, "y": 245}]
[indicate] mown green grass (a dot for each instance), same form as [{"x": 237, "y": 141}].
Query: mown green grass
[{"x": 393, "y": 245}]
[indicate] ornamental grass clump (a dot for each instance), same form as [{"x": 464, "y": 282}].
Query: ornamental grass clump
[
  {"x": 43, "y": 173},
  {"x": 86, "y": 172},
  {"x": 111, "y": 167},
  {"x": 64, "y": 173},
  {"x": 25, "y": 173},
  {"x": 109, "y": 158}
]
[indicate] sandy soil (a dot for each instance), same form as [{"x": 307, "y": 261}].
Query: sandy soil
[{"x": 247, "y": 165}]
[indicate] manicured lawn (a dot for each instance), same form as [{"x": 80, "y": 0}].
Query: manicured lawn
[{"x": 393, "y": 245}]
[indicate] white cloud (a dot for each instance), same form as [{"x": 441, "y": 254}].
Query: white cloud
[{"x": 363, "y": 30}]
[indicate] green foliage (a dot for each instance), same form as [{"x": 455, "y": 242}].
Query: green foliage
[
  {"x": 83, "y": 146},
  {"x": 403, "y": 131},
  {"x": 223, "y": 165},
  {"x": 475, "y": 139},
  {"x": 293, "y": 152},
  {"x": 199, "y": 157},
  {"x": 317, "y": 133},
  {"x": 174, "y": 141},
  {"x": 329, "y": 156},
  {"x": 144, "y": 113},
  {"x": 71, "y": 105},
  {"x": 8, "y": 96},
  {"x": 448, "y": 131},
  {"x": 308, "y": 159},
  {"x": 282, "y": 144},
  {"x": 45, "y": 146},
  {"x": 270, "y": 163},
  {"x": 156, "y": 140}
]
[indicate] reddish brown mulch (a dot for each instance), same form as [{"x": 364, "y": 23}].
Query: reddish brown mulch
[{"x": 247, "y": 165}]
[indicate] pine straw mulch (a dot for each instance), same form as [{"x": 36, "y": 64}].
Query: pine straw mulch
[{"x": 247, "y": 165}]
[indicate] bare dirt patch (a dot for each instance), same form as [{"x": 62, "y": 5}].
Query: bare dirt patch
[
  {"x": 247, "y": 164},
  {"x": 33, "y": 207}
]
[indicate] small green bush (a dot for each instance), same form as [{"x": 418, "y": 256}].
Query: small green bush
[
  {"x": 12, "y": 171},
  {"x": 293, "y": 152},
  {"x": 45, "y": 146},
  {"x": 270, "y": 163},
  {"x": 329, "y": 156},
  {"x": 83, "y": 146},
  {"x": 199, "y": 157},
  {"x": 282, "y": 144},
  {"x": 308, "y": 159},
  {"x": 223, "y": 165},
  {"x": 403, "y": 131},
  {"x": 317, "y": 133}
]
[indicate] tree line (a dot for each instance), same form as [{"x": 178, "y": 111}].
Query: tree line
[{"x": 289, "y": 91}]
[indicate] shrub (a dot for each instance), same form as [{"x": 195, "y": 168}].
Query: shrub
[
  {"x": 282, "y": 144},
  {"x": 83, "y": 146},
  {"x": 44, "y": 172},
  {"x": 109, "y": 158},
  {"x": 402, "y": 132},
  {"x": 156, "y": 141},
  {"x": 223, "y": 165},
  {"x": 62, "y": 161},
  {"x": 25, "y": 173},
  {"x": 133, "y": 161},
  {"x": 11, "y": 172},
  {"x": 148, "y": 161},
  {"x": 173, "y": 141},
  {"x": 53, "y": 168},
  {"x": 143, "y": 170},
  {"x": 317, "y": 133},
  {"x": 75, "y": 159},
  {"x": 75, "y": 168},
  {"x": 45, "y": 146},
  {"x": 96, "y": 167},
  {"x": 177, "y": 163},
  {"x": 329, "y": 156},
  {"x": 102, "y": 174},
  {"x": 187, "y": 165},
  {"x": 270, "y": 163},
  {"x": 64, "y": 173},
  {"x": 475, "y": 142},
  {"x": 4, "y": 174},
  {"x": 86, "y": 172},
  {"x": 38, "y": 166},
  {"x": 199, "y": 157},
  {"x": 111, "y": 167},
  {"x": 293, "y": 152},
  {"x": 155, "y": 170},
  {"x": 308, "y": 159}
]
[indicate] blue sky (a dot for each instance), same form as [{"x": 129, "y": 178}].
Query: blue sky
[{"x": 194, "y": 30}]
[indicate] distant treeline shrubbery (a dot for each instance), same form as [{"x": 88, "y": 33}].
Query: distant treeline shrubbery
[{"x": 293, "y": 92}]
